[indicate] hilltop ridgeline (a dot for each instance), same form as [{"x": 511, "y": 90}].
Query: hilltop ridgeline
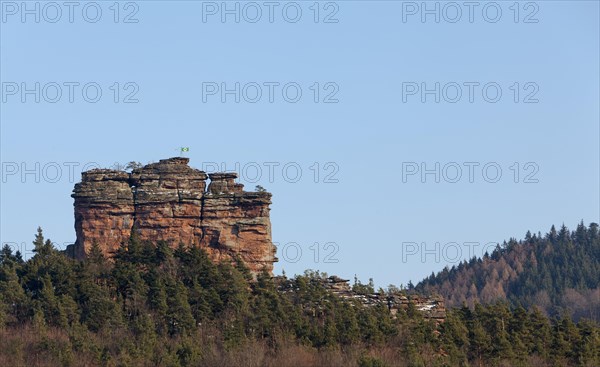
[{"x": 557, "y": 272}]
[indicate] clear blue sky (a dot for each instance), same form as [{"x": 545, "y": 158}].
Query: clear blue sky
[{"x": 370, "y": 213}]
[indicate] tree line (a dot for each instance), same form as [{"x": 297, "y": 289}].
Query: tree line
[{"x": 151, "y": 305}]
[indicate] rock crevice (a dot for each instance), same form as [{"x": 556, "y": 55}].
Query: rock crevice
[{"x": 170, "y": 201}]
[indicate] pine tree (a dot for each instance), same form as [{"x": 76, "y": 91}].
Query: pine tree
[
  {"x": 179, "y": 314},
  {"x": 16, "y": 305},
  {"x": 54, "y": 314}
]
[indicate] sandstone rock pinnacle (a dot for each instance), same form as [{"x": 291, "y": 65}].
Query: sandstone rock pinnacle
[{"x": 169, "y": 201}]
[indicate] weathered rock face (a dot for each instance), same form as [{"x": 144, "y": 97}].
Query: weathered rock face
[
  {"x": 104, "y": 210},
  {"x": 168, "y": 201},
  {"x": 237, "y": 221}
]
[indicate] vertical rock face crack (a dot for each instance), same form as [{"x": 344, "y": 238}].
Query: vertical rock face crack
[
  {"x": 202, "y": 233},
  {"x": 170, "y": 201},
  {"x": 179, "y": 193}
]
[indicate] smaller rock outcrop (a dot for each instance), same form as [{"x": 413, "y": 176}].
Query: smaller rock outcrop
[{"x": 432, "y": 308}]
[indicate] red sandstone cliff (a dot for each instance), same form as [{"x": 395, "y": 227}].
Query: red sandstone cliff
[{"x": 169, "y": 201}]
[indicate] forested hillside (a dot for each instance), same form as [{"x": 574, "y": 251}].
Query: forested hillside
[
  {"x": 557, "y": 272},
  {"x": 155, "y": 306}
]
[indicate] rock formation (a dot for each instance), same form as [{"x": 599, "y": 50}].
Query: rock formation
[
  {"x": 432, "y": 308},
  {"x": 169, "y": 201}
]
